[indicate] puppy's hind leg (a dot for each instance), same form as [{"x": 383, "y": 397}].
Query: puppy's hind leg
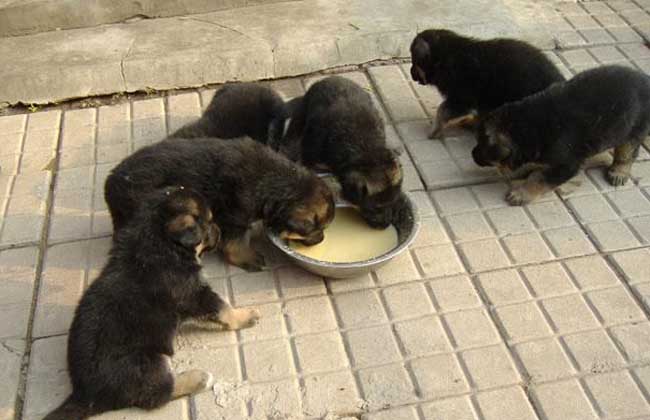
[
  {"x": 624, "y": 156},
  {"x": 191, "y": 382}
]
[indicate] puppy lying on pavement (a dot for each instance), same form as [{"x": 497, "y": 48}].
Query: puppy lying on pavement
[
  {"x": 121, "y": 338},
  {"x": 560, "y": 128},
  {"x": 242, "y": 180},
  {"x": 242, "y": 109},
  {"x": 336, "y": 127},
  {"x": 477, "y": 75}
]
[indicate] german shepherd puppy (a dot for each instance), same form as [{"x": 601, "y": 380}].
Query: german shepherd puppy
[
  {"x": 242, "y": 180},
  {"x": 558, "y": 129},
  {"x": 242, "y": 109},
  {"x": 122, "y": 333},
  {"x": 335, "y": 125},
  {"x": 477, "y": 75}
]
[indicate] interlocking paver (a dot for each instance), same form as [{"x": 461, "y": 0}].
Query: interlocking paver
[
  {"x": 617, "y": 395},
  {"x": 11, "y": 353},
  {"x": 633, "y": 340},
  {"x": 268, "y": 360},
  {"x": 591, "y": 272},
  {"x": 471, "y": 328},
  {"x": 523, "y": 321},
  {"x": 423, "y": 336},
  {"x": 564, "y": 400},
  {"x": 615, "y": 306},
  {"x": 364, "y": 344},
  {"x": 333, "y": 392},
  {"x": 502, "y": 287},
  {"x": 484, "y": 255},
  {"x": 407, "y": 301},
  {"x": 506, "y": 403},
  {"x": 439, "y": 376},
  {"x": 569, "y": 313},
  {"x": 490, "y": 367},
  {"x": 593, "y": 351},
  {"x": 359, "y": 309},
  {"x": 543, "y": 360},
  {"x": 321, "y": 352},
  {"x": 310, "y": 315},
  {"x": 459, "y": 408},
  {"x": 441, "y": 260},
  {"x": 388, "y": 384},
  {"x": 454, "y": 293}
]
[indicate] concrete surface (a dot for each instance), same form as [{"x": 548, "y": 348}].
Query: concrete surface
[
  {"x": 259, "y": 42},
  {"x": 494, "y": 313},
  {"x": 22, "y": 17}
]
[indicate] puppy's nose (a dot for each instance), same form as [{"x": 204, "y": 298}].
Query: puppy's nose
[
  {"x": 476, "y": 155},
  {"x": 314, "y": 238}
]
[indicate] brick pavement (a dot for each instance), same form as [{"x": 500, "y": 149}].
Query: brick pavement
[{"x": 496, "y": 312}]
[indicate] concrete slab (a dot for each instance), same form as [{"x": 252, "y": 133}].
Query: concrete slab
[{"x": 261, "y": 42}]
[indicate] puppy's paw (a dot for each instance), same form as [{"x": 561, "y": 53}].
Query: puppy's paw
[
  {"x": 518, "y": 197},
  {"x": 435, "y": 133},
  {"x": 617, "y": 177},
  {"x": 239, "y": 318},
  {"x": 192, "y": 382},
  {"x": 254, "y": 264}
]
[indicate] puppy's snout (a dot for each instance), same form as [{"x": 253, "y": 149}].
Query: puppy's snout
[
  {"x": 478, "y": 159},
  {"x": 313, "y": 238},
  {"x": 418, "y": 75},
  {"x": 212, "y": 237},
  {"x": 378, "y": 219}
]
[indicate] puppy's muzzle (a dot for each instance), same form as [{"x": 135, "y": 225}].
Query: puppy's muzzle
[
  {"x": 478, "y": 159},
  {"x": 309, "y": 240},
  {"x": 418, "y": 75}
]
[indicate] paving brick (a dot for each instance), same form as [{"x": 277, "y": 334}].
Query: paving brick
[
  {"x": 47, "y": 377},
  {"x": 591, "y": 272},
  {"x": 268, "y": 360},
  {"x": 635, "y": 51},
  {"x": 399, "y": 269},
  {"x": 254, "y": 288},
  {"x": 469, "y": 226},
  {"x": 296, "y": 282},
  {"x": 47, "y": 120},
  {"x": 147, "y": 131},
  {"x": 569, "y": 39},
  {"x": 455, "y": 200},
  {"x": 569, "y": 242},
  {"x": 11, "y": 352},
  {"x": 423, "y": 203},
  {"x": 615, "y": 306},
  {"x": 386, "y": 385},
  {"x": 490, "y": 367},
  {"x": 634, "y": 340},
  {"x": 405, "y": 413},
  {"x": 270, "y": 325},
  {"x": 523, "y": 321},
  {"x": 597, "y": 36},
  {"x": 617, "y": 395},
  {"x": 459, "y": 408},
  {"x": 643, "y": 375},
  {"x": 454, "y": 293},
  {"x": 484, "y": 255},
  {"x": 440, "y": 174},
  {"x": 363, "y": 345},
  {"x": 75, "y": 178},
  {"x": 16, "y": 301},
  {"x": 490, "y": 195},
  {"x": 422, "y": 336},
  {"x": 439, "y": 376},
  {"x": 563, "y": 400},
  {"x": 622, "y": 5},
  {"x": 592, "y": 208},
  {"x": 612, "y": 235},
  {"x": 362, "y": 282},
  {"x": 407, "y": 301},
  {"x": 335, "y": 392},
  {"x": 527, "y": 248},
  {"x": 321, "y": 352},
  {"x": 510, "y": 220},
  {"x": 307, "y": 315},
  {"x": 222, "y": 362},
  {"x": 550, "y": 214},
  {"x": 471, "y": 328},
  {"x": 40, "y": 139},
  {"x": 577, "y": 58},
  {"x": 359, "y": 309},
  {"x": 544, "y": 360},
  {"x": 594, "y": 351},
  {"x": 570, "y": 9},
  {"x": 113, "y": 134},
  {"x": 431, "y": 233},
  {"x": 630, "y": 263},
  {"x": 624, "y": 34},
  {"x": 441, "y": 260},
  {"x": 597, "y": 8},
  {"x": 503, "y": 287},
  {"x": 569, "y": 313},
  {"x": 182, "y": 109},
  {"x": 396, "y": 93},
  {"x": 280, "y": 398},
  {"x": 641, "y": 225},
  {"x": 13, "y": 123},
  {"x": 507, "y": 403},
  {"x": 607, "y": 54}
]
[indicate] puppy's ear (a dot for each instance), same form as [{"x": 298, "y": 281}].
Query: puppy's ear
[
  {"x": 420, "y": 50},
  {"x": 183, "y": 230}
]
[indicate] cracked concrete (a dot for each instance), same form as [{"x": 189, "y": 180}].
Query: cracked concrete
[{"x": 252, "y": 43}]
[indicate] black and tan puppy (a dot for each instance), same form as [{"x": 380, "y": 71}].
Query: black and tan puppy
[
  {"x": 558, "y": 129},
  {"x": 122, "y": 333},
  {"x": 336, "y": 126},
  {"x": 242, "y": 180},
  {"x": 242, "y": 109},
  {"x": 477, "y": 75}
]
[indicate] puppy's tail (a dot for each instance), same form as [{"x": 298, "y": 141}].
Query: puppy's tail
[{"x": 70, "y": 410}]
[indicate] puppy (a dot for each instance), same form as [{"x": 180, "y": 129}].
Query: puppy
[
  {"x": 121, "y": 338},
  {"x": 237, "y": 110},
  {"x": 242, "y": 180},
  {"x": 337, "y": 126},
  {"x": 476, "y": 75},
  {"x": 558, "y": 129}
]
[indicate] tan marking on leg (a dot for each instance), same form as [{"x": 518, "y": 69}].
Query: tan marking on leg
[
  {"x": 238, "y": 318},
  {"x": 239, "y": 252},
  {"x": 460, "y": 122},
  {"x": 624, "y": 157},
  {"x": 528, "y": 191},
  {"x": 191, "y": 382}
]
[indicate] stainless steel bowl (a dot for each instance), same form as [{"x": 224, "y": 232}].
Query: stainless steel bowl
[{"x": 407, "y": 223}]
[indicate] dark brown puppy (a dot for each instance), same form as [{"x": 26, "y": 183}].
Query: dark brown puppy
[
  {"x": 336, "y": 125},
  {"x": 122, "y": 333},
  {"x": 243, "y": 181},
  {"x": 477, "y": 75},
  {"x": 558, "y": 129},
  {"x": 242, "y": 109}
]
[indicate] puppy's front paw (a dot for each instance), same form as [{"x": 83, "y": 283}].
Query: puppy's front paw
[
  {"x": 518, "y": 197},
  {"x": 239, "y": 318},
  {"x": 254, "y": 264},
  {"x": 617, "y": 177}
]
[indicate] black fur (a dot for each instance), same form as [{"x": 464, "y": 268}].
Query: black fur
[
  {"x": 478, "y": 75},
  {"x": 238, "y": 110},
  {"x": 337, "y": 126},
  {"x": 599, "y": 109},
  {"x": 242, "y": 180},
  {"x": 126, "y": 321}
]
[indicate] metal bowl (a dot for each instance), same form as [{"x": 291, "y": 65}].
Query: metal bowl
[{"x": 407, "y": 223}]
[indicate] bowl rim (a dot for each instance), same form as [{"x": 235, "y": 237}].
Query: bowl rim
[{"x": 280, "y": 244}]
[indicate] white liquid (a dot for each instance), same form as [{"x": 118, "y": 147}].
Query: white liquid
[{"x": 349, "y": 239}]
